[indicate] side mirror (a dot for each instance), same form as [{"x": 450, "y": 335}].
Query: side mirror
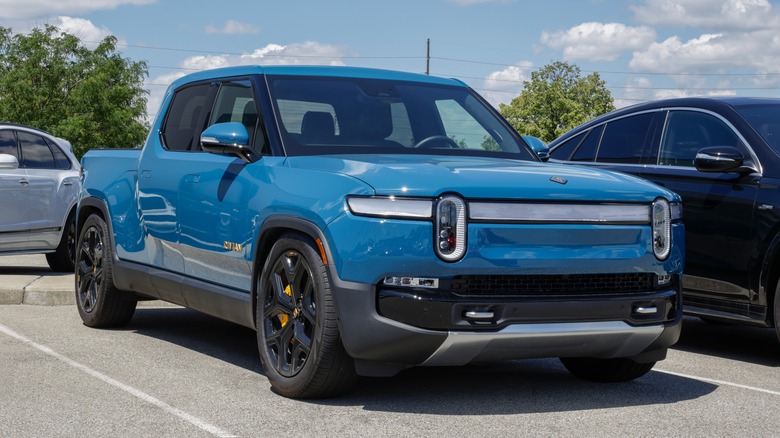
[
  {"x": 229, "y": 138},
  {"x": 8, "y": 162},
  {"x": 719, "y": 159},
  {"x": 543, "y": 154}
]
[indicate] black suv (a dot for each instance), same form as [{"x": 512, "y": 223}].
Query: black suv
[{"x": 722, "y": 155}]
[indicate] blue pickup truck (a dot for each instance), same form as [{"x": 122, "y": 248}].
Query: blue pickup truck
[{"x": 366, "y": 221}]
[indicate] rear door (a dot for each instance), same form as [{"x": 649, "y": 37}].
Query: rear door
[
  {"x": 52, "y": 185},
  {"x": 14, "y": 197}
]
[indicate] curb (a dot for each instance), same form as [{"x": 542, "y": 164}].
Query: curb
[{"x": 42, "y": 290}]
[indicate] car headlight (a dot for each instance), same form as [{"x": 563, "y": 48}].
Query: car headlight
[
  {"x": 391, "y": 207},
  {"x": 450, "y": 228},
  {"x": 661, "y": 218}
]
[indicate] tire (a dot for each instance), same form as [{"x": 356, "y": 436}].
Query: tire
[
  {"x": 297, "y": 327},
  {"x": 606, "y": 370},
  {"x": 99, "y": 302},
  {"x": 777, "y": 311},
  {"x": 63, "y": 258}
]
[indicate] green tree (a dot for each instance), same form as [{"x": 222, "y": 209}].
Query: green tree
[
  {"x": 91, "y": 97},
  {"x": 556, "y": 99}
]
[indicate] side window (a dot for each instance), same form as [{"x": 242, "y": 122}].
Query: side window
[
  {"x": 235, "y": 102},
  {"x": 61, "y": 161},
  {"x": 8, "y": 143},
  {"x": 624, "y": 139},
  {"x": 563, "y": 151},
  {"x": 689, "y": 131},
  {"x": 183, "y": 123},
  {"x": 587, "y": 149},
  {"x": 35, "y": 152}
]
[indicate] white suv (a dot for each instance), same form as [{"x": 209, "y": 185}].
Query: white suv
[{"x": 39, "y": 184}]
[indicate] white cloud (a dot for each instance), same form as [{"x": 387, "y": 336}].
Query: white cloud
[
  {"x": 26, "y": 9},
  {"x": 711, "y": 14},
  {"x": 599, "y": 41},
  {"x": 233, "y": 27},
  {"x": 504, "y": 85},
  {"x": 308, "y": 52},
  {"x": 675, "y": 56},
  {"x": 89, "y": 34}
]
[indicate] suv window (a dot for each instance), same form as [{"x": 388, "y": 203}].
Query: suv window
[
  {"x": 587, "y": 149},
  {"x": 8, "y": 143},
  {"x": 624, "y": 139},
  {"x": 61, "y": 161},
  {"x": 184, "y": 121},
  {"x": 35, "y": 152},
  {"x": 689, "y": 131}
]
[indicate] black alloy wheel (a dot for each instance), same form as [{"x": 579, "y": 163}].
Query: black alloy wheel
[{"x": 99, "y": 302}]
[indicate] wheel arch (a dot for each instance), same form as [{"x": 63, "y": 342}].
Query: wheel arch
[
  {"x": 273, "y": 228},
  {"x": 89, "y": 206}
]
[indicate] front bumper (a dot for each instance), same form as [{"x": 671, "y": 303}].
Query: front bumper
[{"x": 406, "y": 330}]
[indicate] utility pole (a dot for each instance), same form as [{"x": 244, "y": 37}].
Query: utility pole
[{"x": 428, "y": 58}]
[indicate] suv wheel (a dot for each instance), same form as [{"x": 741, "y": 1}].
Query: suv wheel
[
  {"x": 297, "y": 327},
  {"x": 777, "y": 311},
  {"x": 606, "y": 370},
  {"x": 100, "y": 303},
  {"x": 63, "y": 258}
]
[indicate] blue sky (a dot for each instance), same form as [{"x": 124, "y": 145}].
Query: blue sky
[{"x": 643, "y": 49}]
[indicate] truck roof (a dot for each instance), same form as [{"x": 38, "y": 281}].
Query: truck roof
[{"x": 310, "y": 70}]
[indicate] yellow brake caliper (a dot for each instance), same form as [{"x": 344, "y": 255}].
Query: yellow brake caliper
[{"x": 285, "y": 318}]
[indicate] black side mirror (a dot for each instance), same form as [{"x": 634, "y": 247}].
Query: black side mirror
[{"x": 719, "y": 159}]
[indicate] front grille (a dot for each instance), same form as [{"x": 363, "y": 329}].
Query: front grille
[{"x": 551, "y": 285}]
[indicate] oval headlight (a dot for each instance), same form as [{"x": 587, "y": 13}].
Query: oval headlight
[
  {"x": 662, "y": 229},
  {"x": 450, "y": 228}
]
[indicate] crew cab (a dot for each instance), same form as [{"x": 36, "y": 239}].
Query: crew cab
[{"x": 366, "y": 221}]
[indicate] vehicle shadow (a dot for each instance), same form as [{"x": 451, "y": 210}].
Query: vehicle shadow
[
  {"x": 528, "y": 386},
  {"x": 755, "y": 345}
]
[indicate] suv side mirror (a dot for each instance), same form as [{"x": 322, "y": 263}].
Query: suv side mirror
[
  {"x": 8, "y": 162},
  {"x": 719, "y": 159},
  {"x": 229, "y": 138}
]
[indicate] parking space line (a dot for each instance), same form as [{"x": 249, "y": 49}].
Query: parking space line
[
  {"x": 201, "y": 424},
  {"x": 719, "y": 382}
]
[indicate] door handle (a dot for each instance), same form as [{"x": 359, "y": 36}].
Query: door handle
[
  {"x": 24, "y": 182},
  {"x": 67, "y": 183}
]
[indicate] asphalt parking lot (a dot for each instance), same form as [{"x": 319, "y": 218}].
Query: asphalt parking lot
[{"x": 175, "y": 372}]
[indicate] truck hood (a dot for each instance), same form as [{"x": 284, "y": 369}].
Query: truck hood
[{"x": 482, "y": 177}]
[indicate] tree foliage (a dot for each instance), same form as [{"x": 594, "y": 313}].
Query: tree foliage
[
  {"x": 91, "y": 97},
  {"x": 556, "y": 99}
]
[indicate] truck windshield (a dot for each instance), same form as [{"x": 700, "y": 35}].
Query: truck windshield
[{"x": 329, "y": 115}]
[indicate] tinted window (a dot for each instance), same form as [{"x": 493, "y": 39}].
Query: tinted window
[
  {"x": 689, "y": 131},
  {"x": 8, "y": 143},
  {"x": 587, "y": 149},
  {"x": 563, "y": 151},
  {"x": 35, "y": 152},
  {"x": 61, "y": 161},
  {"x": 184, "y": 121},
  {"x": 765, "y": 119},
  {"x": 624, "y": 139}
]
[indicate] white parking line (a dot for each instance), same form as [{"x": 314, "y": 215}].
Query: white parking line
[
  {"x": 210, "y": 428},
  {"x": 719, "y": 382}
]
